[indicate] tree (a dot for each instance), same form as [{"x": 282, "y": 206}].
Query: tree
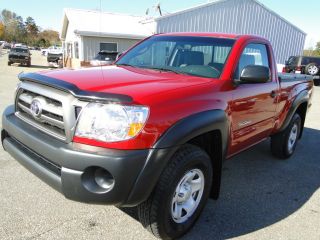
[
  {"x": 1, "y": 30},
  {"x": 317, "y": 50},
  {"x": 13, "y": 26},
  {"x": 31, "y": 26},
  {"x": 49, "y": 37},
  {"x": 14, "y": 29},
  {"x": 7, "y": 16}
]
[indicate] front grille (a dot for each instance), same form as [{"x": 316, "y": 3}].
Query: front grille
[
  {"x": 51, "y": 117},
  {"x": 19, "y": 57},
  {"x": 59, "y": 109}
]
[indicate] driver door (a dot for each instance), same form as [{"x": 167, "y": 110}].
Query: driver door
[{"x": 254, "y": 105}]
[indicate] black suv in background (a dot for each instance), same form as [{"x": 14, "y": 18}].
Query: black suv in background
[
  {"x": 303, "y": 64},
  {"x": 19, "y": 55}
]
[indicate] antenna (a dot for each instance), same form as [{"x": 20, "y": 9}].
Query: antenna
[
  {"x": 158, "y": 8},
  {"x": 147, "y": 11}
]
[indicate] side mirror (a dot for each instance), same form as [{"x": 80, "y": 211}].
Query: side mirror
[
  {"x": 286, "y": 62},
  {"x": 255, "y": 74}
]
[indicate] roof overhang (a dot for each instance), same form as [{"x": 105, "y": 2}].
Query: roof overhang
[{"x": 109, "y": 34}]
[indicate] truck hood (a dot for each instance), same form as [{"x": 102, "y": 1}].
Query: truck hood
[{"x": 137, "y": 83}]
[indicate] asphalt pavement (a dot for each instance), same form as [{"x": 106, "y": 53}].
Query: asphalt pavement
[{"x": 262, "y": 197}]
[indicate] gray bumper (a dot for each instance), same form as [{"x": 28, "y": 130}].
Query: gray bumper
[
  {"x": 19, "y": 60},
  {"x": 63, "y": 166}
]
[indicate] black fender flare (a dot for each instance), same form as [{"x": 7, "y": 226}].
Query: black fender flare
[
  {"x": 302, "y": 97},
  {"x": 177, "y": 135}
]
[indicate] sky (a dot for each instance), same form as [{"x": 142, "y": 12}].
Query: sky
[{"x": 48, "y": 14}]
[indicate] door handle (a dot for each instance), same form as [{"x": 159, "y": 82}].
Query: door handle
[{"x": 273, "y": 94}]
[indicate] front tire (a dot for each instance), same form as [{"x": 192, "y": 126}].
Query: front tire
[
  {"x": 180, "y": 194},
  {"x": 284, "y": 143}
]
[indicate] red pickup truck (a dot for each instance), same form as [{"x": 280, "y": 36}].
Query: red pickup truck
[{"x": 152, "y": 130}]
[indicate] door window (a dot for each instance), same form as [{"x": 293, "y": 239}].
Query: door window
[
  {"x": 253, "y": 54},
  {"x": 307, "y": 60}
]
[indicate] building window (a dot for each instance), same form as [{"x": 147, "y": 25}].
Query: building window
[
  {"x": 76, "y": 50},
  {"x": 69, "y": 50},
  {"x": 110, "y": 47}
]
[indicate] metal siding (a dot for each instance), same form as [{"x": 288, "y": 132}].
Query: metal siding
[
  {"x": 240, "y": 17},
  {"x": 91, "y": 45}
]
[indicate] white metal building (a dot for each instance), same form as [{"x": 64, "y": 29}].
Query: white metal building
[
  {"x": 239, "y": 17},
  {"x": 86, "y": 32}
]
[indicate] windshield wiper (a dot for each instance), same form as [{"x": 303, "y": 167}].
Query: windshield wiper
[
  {"x": 126, "y": 64},
  {"x": 164, "y": 69}
]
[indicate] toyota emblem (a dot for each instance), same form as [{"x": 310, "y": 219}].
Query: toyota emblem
[{"x": 36, "y": 108}]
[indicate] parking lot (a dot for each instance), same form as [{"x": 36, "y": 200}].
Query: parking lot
[{"x": 261, "y": 198}]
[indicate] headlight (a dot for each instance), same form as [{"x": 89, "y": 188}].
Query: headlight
[
  {"x": 111, "y": 122},
  {"x": 26, "y": 57}
]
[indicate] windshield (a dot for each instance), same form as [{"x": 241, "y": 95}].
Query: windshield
[
  {"x": 22, "y": 50},
  {"x": 198, "y": 56},
  {"x": 292, "y": 60}
]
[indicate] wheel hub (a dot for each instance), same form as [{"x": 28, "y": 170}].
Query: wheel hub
[
  {"x": 312, "y": 70},
  {"x": 184, "y": 193},
  {"x": 187, "y": 195},
  {"x": 293, "y": 137}
]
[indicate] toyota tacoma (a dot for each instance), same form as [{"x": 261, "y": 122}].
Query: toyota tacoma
[{"x": 152, "y": 130}]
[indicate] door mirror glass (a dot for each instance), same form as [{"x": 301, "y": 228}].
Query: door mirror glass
[{"x": 255, "y": 74}]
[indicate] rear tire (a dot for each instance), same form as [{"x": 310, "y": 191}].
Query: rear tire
[
  {"x": 312, "y": 69},
  {"x": 175, "y": 204},
  {"x": 9, "y": 63},
  {"x": 284, "y": 143}
]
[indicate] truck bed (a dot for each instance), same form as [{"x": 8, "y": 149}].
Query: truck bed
[{"x": 283, "y": 77}]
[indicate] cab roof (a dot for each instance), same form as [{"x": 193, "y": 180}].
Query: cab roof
[{"x": 202, "y": 34}]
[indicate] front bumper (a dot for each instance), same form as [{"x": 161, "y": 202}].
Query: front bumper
[
  {"x": 53, "y": 59},
  {"x": 65, "y": 167},
  {"x": 19, "y": 60}
]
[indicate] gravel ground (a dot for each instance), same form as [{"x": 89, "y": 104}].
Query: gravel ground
[{"x": 261, "y": 198}]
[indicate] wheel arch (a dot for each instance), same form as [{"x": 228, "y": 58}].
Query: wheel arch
[
  {"x": 199, "y": 129},
  {"x": 302, "y": 111},
  {"x": 300, "y": 106},
  {"x": 211, "y": 143}
]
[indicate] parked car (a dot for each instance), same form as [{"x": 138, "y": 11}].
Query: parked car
[
  {"x": 6, "y": 46},
  {"x": 153, "y": 130},
  {"x": 104, "y": 58},
  {"x": 303, "y": 64},
  {"x": 20, "y": 45},
  {"x": 19, "y": 55},
  {"x": 54, "y": 56}
]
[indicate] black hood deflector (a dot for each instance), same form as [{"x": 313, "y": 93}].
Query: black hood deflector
[{"x": 73, "y": 89}]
